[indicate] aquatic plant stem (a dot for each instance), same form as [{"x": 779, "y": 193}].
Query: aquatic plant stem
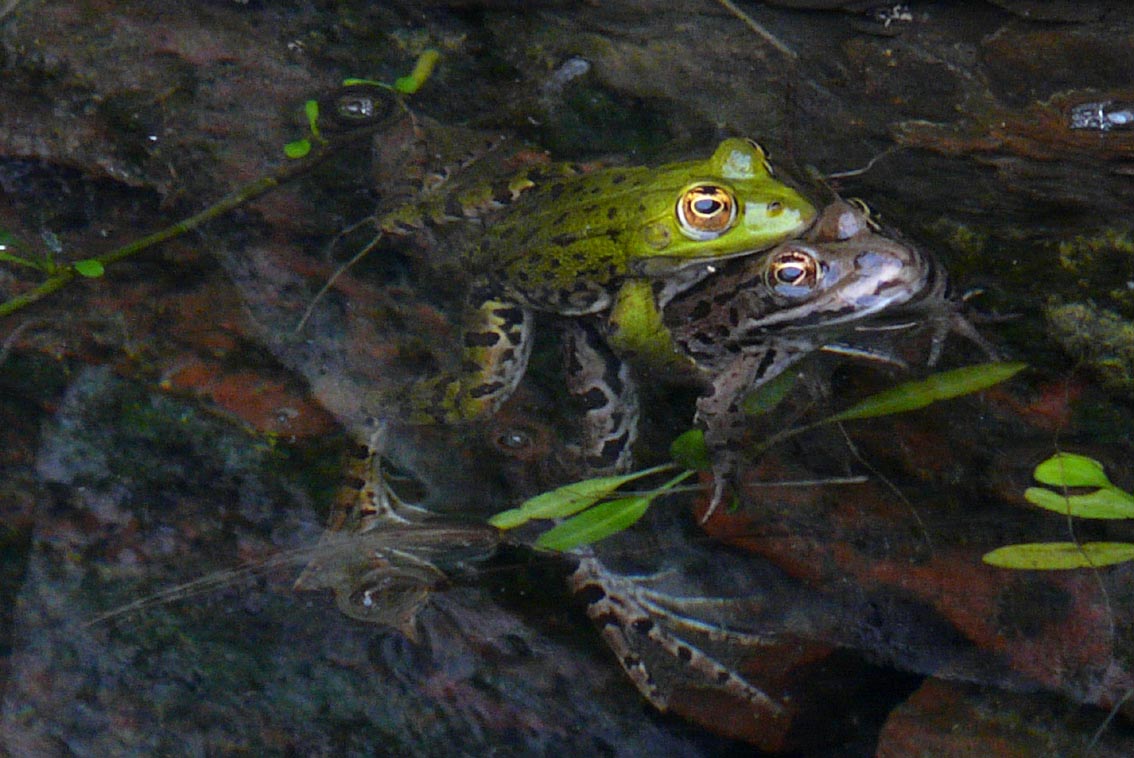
[
  {"x": 65, "y": 274},
  {"x": 760, "y": 31}
]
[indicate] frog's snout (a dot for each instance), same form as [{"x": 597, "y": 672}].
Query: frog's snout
[
  {"x": 889, "y": 270},
  {"x": 876, "y": 262}
]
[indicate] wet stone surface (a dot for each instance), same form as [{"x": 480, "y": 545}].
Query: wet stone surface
[{"x": 167, "y": 424}]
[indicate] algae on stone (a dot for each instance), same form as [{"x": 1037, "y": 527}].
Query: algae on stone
[{"x": 1098, "y": 337}]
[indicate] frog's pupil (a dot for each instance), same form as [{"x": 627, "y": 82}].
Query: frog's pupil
[
  {"x": 513, "y": 440},
  {"x": 707, "y": 206},
  {"x": 789, "y": 274}
]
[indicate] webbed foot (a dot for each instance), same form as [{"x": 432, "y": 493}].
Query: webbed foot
[{"x": 650, "y": 632}]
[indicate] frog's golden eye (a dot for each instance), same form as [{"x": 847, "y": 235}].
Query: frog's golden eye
[
  {"x": 706, "y": 211},
  {"x": 794, "y": 268}
]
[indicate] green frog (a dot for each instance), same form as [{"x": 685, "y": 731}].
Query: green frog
[{"x": 613, "y": 245}]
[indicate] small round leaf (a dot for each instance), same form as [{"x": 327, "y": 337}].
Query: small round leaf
[{"x": 89, "y": 268}]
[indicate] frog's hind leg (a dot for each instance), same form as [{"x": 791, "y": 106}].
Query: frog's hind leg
[
  {"x": 380, "y": 553},
  {"x": 604, "y": 385},
  {"x": 496, "y": 343},
  {"x": 656, "y": 658}
]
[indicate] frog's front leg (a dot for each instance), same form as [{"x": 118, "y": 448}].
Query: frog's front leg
[
  {"x": 496, "y": 343},
  {"x": 636, "y": 329},
  {"x": 720, "y": 411},
  {"x": 604, "y": 385}
]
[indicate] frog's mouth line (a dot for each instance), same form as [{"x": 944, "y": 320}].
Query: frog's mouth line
[
  {"x": 660, "y": 265},
  {"x": 809, "y": 317}
]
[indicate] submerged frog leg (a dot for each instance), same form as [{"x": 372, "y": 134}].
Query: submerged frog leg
[
  {"x": 364, "y": 501},
  {"x": 388, "y": 595},
  {"x": 496, "y": 345},
  {"x": 656, "y": 660},
  {"x": 720, "y": 412},
  {"x": 877, "y": 355},
  {"x": 690, "y": 612},
  {"x": 607, "y": 390},
  {"x": 378, "y": 554},
  {"x": 954, "y": 321}
]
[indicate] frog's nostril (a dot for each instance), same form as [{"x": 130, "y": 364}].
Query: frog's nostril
[{"x": 775, "y": 208}]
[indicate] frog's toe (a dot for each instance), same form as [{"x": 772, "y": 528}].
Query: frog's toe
[{"x": 720, "y": 485}]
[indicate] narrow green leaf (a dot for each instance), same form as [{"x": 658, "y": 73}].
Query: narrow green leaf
[
  {"x": 905, "y": 397},
  {"x": 911, "y": 396},
  {"x": 769, "y": 395},
  {"x": 1045, "y": 498},
  {"x": 1060, "y": 555},
  {"x": 969, "y": 379},
  {"x": 572, "y": 498},
  {"x": 1105, "y": 503},
  {"x": 595, "y": 523},
  {"x": 311, "y": 108},
  {"x": 509, "y": 519},
  {"x": 368, "y": 82},
  {"x": 689, "y": 450},
  {"x": 1071, "y": 470},
  {"x": 89, "y": 268},
  {"x": 422, "y": 70},
  {"x": 297, "y": 149}
]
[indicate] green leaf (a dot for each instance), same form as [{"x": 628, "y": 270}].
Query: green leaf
[
  {"x": 768, "y": 396},
  {"x": 297, "y": 149},
  {"x": 509, "y": 519},
  {"x": 566, "y": 500},
  {"x": 1071, "y": 470},
  {"x": 910, "y": 396},
  {"x": 311, "y": 108},
  {"x": 595, "y": 524},
  {"x": 422, "y": 70},
  {"x": 689, "y": 450},
  {"x": 1060, "y": 555},
  {"x": 1105, "y": 503},
  {"x": 368, "y": 82},
  {"x": 89, "y": 268}
]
